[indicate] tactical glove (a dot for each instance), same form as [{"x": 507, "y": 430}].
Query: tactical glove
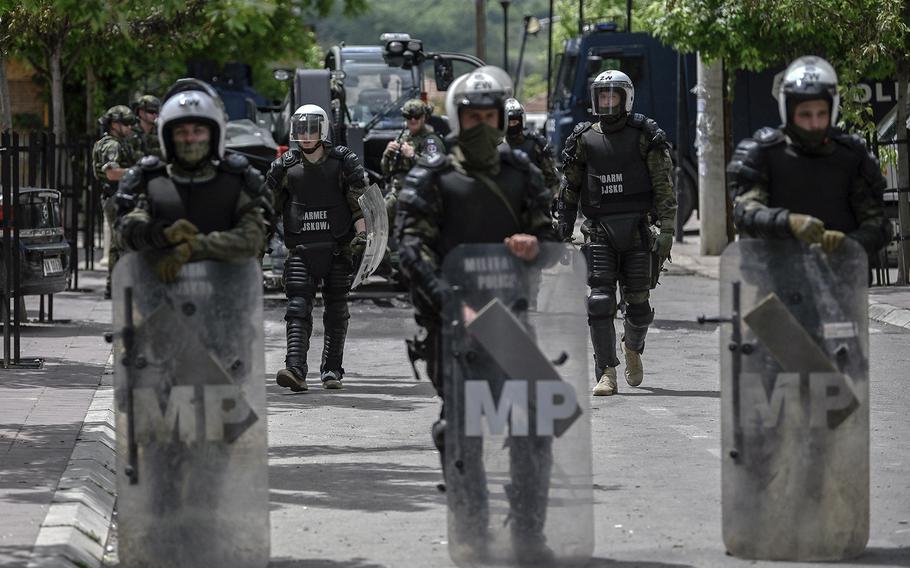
[
  {"x": 662, "y": 246},
  {"x": 806, "y": 228},
  {"x": 564, "y": 230},
  {"x": 359, "y": 244},
  {"x": 171, "y": 263},
  {"x": 832, "y": 240},
  {"x": 179, "y": 231}
]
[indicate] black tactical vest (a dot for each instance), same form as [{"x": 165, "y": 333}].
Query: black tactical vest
[
  {"x": 527, "y": 146},
  {"x": 472, "y": 212},
  {"x": 317, "y": 209},
  {"x": 814, "y": 185},
  {"x": 616, "y": 175},
  {"x": 210, "y": 205}
]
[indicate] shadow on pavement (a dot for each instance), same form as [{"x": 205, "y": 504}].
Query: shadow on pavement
[
  {"x": 356, "y": 486},
  {"x": 374, "y": 393},
  {"x": 883, "y": 557},
  {"x": 609, "y": 563},
  {"x": 690, "y": 324},
  {"x": 657, "y": 391},
  {"x": 320, "y": 563},
  {"x": 15, "y": 556},
  {"x": 287, "y": 452}
]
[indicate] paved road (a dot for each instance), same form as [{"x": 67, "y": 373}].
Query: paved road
[{"x": 353, "y": 473}]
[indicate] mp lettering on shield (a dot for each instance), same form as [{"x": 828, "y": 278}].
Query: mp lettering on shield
[
  {"x": 192, "y": 414},
  {"x": 534, "y": 391}
]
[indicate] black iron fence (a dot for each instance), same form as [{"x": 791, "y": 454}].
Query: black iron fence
[{"x": 888, "y": 260}]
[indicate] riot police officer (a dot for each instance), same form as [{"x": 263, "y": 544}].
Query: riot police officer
[
  {"x": 316, "y": 188},
  {"x": 193, "y": 203},
  {"x": 619, "y": 169},
  {"x": 146, "y": 108},
  {"x": 481, "y": 192},
  {"x": 112, "y": 155},
  {"x": 531, "y": 143},
  {"x": 808, "y": 179}
]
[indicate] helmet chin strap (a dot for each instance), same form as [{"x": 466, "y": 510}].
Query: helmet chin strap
[{"x": 311, "y": 150}]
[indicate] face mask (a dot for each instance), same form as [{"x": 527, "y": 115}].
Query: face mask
[
  {"x": 808, "y": 139},
  {"x": 478, "y": 144},
  {"x": 191, "y": 153},
  {"x": 514, "y": 130}
]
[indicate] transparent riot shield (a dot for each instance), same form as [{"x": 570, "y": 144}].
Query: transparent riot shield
[
  {"x": 192, "y": 472},
  {"x": 377, "y": 221},
  {"x": 794, "y": 396},
  {"x": 518, "y": 431}
]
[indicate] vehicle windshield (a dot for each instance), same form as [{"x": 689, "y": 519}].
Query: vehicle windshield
[
  {"x": 37, "y": 210},
  {"x": 371, "y": 86}
]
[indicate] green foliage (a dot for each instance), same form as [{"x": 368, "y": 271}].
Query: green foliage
[{"x": 532, "y": 86}]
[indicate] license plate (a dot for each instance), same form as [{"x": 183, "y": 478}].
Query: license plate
[{"x": 52, "y": 265}]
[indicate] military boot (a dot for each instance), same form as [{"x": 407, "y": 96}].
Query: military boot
[
  {"x": 635, "y": 373},
  {"x": 332, "y": 379},
  {"x": 606, "y": 386},
  {"x": 293, "y": 378}
]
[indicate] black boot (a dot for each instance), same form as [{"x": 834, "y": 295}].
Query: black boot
[{"x": 293, "y": 376}]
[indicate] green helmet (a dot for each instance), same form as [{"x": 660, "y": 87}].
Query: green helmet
[
  {"x": 416, "y": 108},
  {"x": 119, "y": 113},
  {"x": 148, "y": 103}
]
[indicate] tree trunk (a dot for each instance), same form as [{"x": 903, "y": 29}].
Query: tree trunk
[
  {"x": 56, "y": 71},
  {"x": 6, "y": 109},
  {"x": 903, "y": 176},
  {"x": 712, "y": 205},
  {"x": 91, "y": 83},
  {"x": 480, "y": 28}
]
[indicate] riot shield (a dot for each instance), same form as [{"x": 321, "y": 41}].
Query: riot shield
[
  {"x": 794, "y": 400},
  {"x": 518, "y": 432},
  {"x": 192, "y": 472},
  {"x": 374, "y": 215}
]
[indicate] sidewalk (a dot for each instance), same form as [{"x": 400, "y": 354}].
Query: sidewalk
[
  {"x": 887, "y": 304},
  {"x": 41, "y": 430}
]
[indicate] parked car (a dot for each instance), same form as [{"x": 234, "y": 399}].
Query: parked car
[{"x": 44, "y": 252}]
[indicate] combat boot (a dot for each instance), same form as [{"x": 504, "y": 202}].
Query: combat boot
[
  {"x": 293, "y": 378},
  {"x": 332, "y": 379},
  {"x": 635, "y": 373},
  {"x": 606, "y": 386}
]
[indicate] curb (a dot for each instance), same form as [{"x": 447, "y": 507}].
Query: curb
[
  {"x": 878, "y": 311},
  {"x": 75, "y": 530}
]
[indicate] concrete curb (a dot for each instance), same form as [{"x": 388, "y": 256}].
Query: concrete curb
[
  {"x": 75, "y": 530},
  {"x": 878, "y": 311}
]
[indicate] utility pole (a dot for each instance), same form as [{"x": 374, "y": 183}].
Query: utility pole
[
  {"x": 903, "y": 176},
  {"x": 480, "y": 29},
  {"x": 712, "y": 203}
]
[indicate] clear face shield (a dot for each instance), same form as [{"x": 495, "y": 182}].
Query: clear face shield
[
  {"x": 608, "y": 100},
  {"x": 307, "y": 130}
]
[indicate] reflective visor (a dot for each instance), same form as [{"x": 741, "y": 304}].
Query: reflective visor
[{"x": 307, "y": 127}]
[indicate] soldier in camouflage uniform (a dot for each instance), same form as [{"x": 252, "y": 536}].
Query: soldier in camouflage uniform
[
  {"x": 194, "y": 203},
  {"x": 415, "y": 140},
  {"x": 316, "y": 188},
  {"x": 619, "y": 169},
  {"x": 531, "y": 143},
  {"x": 112, "y": 155},
  {"x": 146, "y": 109},
  {"x": 807, "y": 179}
]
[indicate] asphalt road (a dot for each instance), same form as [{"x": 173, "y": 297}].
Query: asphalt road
[{"x": 353, "y": 473}]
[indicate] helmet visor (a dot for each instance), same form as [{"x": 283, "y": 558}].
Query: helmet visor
[
  {"x": 307, "y": 127},
  {"x": 608, "y": 100}
]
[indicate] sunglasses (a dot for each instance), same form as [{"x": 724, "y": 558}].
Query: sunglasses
[{"x": 412, "y": 116}]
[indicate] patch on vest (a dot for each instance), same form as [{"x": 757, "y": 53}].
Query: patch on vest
[
  {"x": 314, "y": 221},
  {"x": 610, "y": 184}
]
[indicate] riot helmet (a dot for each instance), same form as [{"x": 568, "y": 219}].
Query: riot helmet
[
  {"x": 310, "y": 123},
  {"x": 486, "y": 87},
  {"x": 615, "y": 83},
  {"x": 514, "y": 111},
  {"x": 192, "y": 100},
  {"x": 806, "y": 79}
]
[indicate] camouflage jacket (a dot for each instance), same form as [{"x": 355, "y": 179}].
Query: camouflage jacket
[
  {"x": 541, "y": 156},
  {"x": 654, "y": 150},
  {"x": 111, "y": 152},
  {"x": 146, "y": 144},
  {"x": 137, "y": 229},
  {"x": 749, "y": 185},
  {"x": 395, "y": 165}
]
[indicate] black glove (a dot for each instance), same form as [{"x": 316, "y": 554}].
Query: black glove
[{"x": 564, "y": 230}]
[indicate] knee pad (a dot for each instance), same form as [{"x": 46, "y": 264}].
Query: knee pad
[
  {"x": 297, "y": 281},
  {"x": 636, "y": 272},
  {"x": 299, "y": 307},
  {"x": 602, "y": 264},
  {"x": 639, "y": 314},
  {"x": 601, "y": 305}
]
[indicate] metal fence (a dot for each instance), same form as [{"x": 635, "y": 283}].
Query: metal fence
[{"x": 896, "y": 256}]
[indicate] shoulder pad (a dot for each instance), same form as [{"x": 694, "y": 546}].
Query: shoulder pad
[
  {"x": 581, "y": 127},
  {"x": 132, "y": 180},
  {"x": 747, "y": 166},
  {"x": 514, "y": 156},
  {"x": 418, "y": 184},
  {"x": 340, "y": 152},
  {"x": 869, "y": 167},
  {"x": 637, "y": 120},
  {"x": 151, "y": 163},
  {"x": 234, "y": 163},
  {"x": 290, "y": 158},
  {"x": 768, "y": 136},
  {"x": 851, "y": 141},
  {"x": 432, "y": 161},
  {"x": 568, "y": 151}
]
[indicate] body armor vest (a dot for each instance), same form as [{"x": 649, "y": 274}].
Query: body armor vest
[
  {"x": 317, "y": 210},
  {"x": 814, "y": 185},
  {"x": 210, "y": 205},
  {"x": 616, "y": 175},
  {"x": 472, "y": 212}
]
